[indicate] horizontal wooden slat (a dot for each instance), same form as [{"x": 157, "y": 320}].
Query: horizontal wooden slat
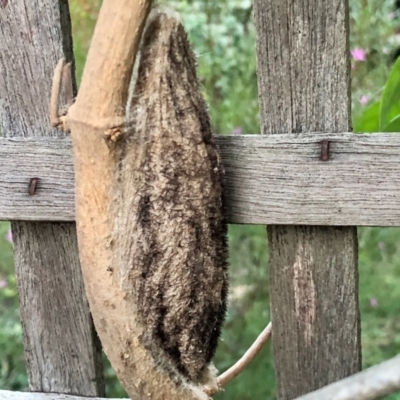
[
  {"x": 275, "y": 179},
  {"x": 8, "y": 395},
  {"x": 373, "y": 383},
  {"x": 50, "y": 160}
]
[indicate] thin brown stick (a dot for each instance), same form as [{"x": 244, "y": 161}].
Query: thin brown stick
[
  {"x": 243, "y": 362},
  {"x": 55, "y": 93},
  {"x": 67, "y": 84}
]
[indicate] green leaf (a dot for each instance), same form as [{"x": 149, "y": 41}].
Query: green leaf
[
  {"x": 369, "y": 120},
  {"x": 390, "y": 103},
  {"x": 393, "y": 125}
]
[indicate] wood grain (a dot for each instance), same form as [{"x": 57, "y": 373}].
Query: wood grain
[
  {"x": 374, "y": 383},
  {"x": 275, "y": 179},
  {"x": 304, "y": 86},
  {"x": 62, "y": 351},
  {"x": 49, "y": 160},
  {"x": 8, "y": 395}
]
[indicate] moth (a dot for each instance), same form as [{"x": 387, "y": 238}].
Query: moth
[{"x": 178, "y": 264}]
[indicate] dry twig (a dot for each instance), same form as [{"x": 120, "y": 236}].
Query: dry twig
[
  {"x": 55, "y": 93},
  {"x": 61, "y": 78},
  {"x": 242, "y": 364}
]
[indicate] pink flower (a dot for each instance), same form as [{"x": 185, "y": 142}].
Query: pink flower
[
  {"x": 237, "y": 131},
  {"x": 9, "y": 236},
  {"x": 359, "y": 54},
  {"x": 363, "y": 99},
  {"x": 3, "y": 283},
  {"x": 373, "y": 302}
]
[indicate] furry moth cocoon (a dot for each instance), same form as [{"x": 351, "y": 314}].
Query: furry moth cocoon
[{"x": 178, "y": 265}]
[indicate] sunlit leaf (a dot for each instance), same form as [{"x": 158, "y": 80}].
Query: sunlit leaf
[
  {"x": 390, "y": 103},
  {"x": 369, "y": 120},
  {"x": 393, "y": 126}
]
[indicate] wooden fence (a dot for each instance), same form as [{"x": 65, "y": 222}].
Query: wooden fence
[{"x": 312, "y": 189}]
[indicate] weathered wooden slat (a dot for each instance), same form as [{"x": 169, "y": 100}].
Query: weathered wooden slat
[
  {"x": 380, "y": 380},
  {"x": 7, "y": 395},
  {"x": 303, "y": 72},
  {"x": 49, "y": 160},
  {"x": 62, "y": 351},
  {"x": 276, "y": 179}
]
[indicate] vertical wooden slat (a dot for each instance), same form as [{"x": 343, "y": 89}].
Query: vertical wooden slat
[
  {"x": 304, "y": 86},
  {"x": 62, "y": 351}
]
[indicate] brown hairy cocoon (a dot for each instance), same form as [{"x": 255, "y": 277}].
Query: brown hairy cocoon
[{"x": 178, "y": 268}]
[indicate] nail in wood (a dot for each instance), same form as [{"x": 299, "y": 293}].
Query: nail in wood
[
  {"x": 324, "y": 150},
  {"x": 32, "y": 186}
]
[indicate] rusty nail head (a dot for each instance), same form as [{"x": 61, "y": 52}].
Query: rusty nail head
[
  {"x": 32, "y": 186},
  {"x": 324, "y": 150}
]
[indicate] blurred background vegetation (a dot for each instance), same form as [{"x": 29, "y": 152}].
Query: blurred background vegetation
[{"x": 223, "y": 36}]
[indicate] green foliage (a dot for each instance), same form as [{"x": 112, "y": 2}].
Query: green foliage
[
  {"x": 372, "y": 27},
  {"x": 379, "y": 83},
  {"x": 12, "y": 368},
  {"x": 379, "y": 255},
  {"x": 248, "y": 314},
  {"x": 369, "y": 119},
  {"x": 384, "y": 114},
  {"x": 390, "y": 102},
  {"x": 83, "y": 19},
  {"x": 223, "y": 36},
  {"x": 379, "y": 266}
]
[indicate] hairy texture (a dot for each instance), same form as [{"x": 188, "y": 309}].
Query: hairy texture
[{"x": 178, "y": 263}]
